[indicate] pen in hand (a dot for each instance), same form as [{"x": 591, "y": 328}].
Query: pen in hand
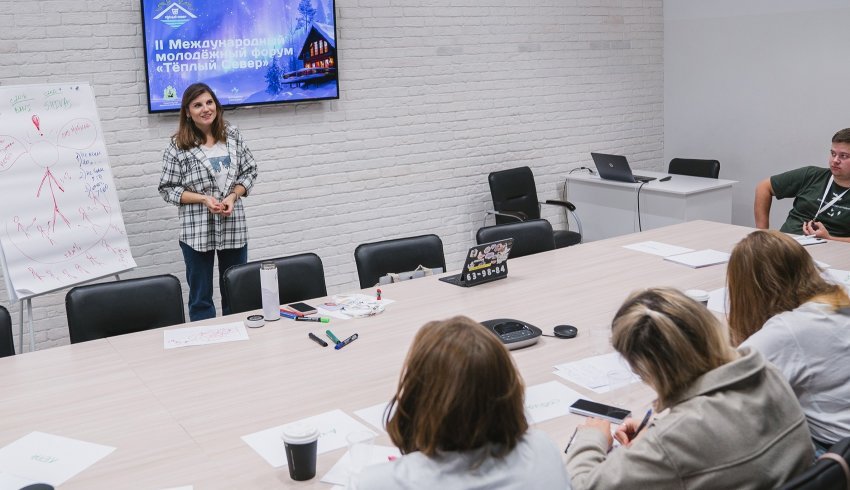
[{"x": 641, "y": 426}]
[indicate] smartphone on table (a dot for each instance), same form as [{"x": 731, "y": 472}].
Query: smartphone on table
[
  {"x": 594, "y": 409},
  {"x": 303, "y": 308}
]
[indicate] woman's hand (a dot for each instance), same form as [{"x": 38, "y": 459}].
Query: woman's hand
[
  {"x": 228, "y": 203},
  {"x": 213, "y": 204},
  {"x": 625, "y": 434},
  {"x": 602, "y": 426}
]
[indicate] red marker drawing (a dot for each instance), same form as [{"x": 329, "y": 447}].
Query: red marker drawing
[{"x": 36, "y": 123}]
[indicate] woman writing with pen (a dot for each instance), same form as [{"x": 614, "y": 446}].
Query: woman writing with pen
[
  {"x": 729, "y": 419},
  {"x": 206, "y": 170}
]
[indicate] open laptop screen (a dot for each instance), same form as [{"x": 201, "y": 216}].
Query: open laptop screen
[{"x": 483, "y": 263}]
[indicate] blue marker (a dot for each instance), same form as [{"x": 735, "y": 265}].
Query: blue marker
[{"x": 345, "y": 342}]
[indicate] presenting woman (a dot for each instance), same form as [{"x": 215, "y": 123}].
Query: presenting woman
[
  {"x": 459, "y": 421},
  {"x": 781, "y": 306},
  {"x": 206, "y": 170},
  {"x": 729, "y": 419}
]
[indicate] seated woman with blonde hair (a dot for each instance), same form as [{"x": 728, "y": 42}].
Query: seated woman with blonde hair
[
  {"x": 731, "y": 420},
  {"x": 781, "y": 306},
  {"x": 459, "y": 419}
]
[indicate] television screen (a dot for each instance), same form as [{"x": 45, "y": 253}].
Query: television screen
[{"x": 250, "y": 52}]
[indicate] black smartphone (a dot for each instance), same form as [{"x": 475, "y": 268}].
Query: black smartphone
[
  {"x": 593, "y": 409},
  {"x": 303, "y": 308}
]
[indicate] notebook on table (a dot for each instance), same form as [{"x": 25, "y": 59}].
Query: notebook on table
[
  {"x": 484, "y": 263},
  {"x": 616, "y": 167}
]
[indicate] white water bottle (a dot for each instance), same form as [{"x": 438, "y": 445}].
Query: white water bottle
[{"x": 268, "y": 285}]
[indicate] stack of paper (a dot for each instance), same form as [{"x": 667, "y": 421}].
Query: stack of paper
[
  {"x": 700, "y": 258},
  {"x": 658, "y": 248},
  {"x": 592, "y": 372}
]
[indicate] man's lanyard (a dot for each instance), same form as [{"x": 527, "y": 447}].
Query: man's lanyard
[{"x": 835, "y": 199}]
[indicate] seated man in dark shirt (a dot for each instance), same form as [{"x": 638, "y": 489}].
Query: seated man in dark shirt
[{"x": 821, "y": 201}]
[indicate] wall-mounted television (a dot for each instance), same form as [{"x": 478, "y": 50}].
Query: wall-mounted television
[{"x": 250, "y": 52}]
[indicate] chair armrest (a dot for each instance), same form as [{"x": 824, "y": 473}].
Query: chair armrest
[
  {"x": 563, "y": 204},
  {"x": 517, "y": 215}
]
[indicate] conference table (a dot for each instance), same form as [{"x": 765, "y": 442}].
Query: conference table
[
  {"x": 610, "y": 208},
  {"x": 176, "y": 416}
]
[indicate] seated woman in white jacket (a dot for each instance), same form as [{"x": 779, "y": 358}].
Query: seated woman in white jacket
[
  {"x": 781, "y": 306},
  {"x": 728, "y": 420},
  {"x": 458, "y": 419}
]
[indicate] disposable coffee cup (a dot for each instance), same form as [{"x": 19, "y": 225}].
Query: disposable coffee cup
[
  {"x": 301, "y": 443},
  {"x": 698, "y": 295}
]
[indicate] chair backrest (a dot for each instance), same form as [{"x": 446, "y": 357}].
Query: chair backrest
[
  {"x": 825, "y": 474},
  {"x": 530, "y": 237},
  {"x": 7, "y": 342},
  {"x": 299, "y": 277},
  {"x": 112, "y": 308},
  {"x": 378, "y": 259},
  {"x": 514, "y": 190},
  {"x": 695, "y": 167}
]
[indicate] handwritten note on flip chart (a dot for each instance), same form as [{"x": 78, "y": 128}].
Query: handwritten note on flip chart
[{"x": 65, "y": 225}]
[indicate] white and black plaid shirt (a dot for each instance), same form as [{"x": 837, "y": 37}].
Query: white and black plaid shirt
[{"x": 190, "y": 170}]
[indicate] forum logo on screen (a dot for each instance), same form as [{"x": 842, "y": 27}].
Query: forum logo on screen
[{"x": 175, "y": 15}]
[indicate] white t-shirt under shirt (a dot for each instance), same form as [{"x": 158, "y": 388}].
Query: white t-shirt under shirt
[
  {"x": 535, "y": 463},
  {"x": 219, "y": 160},
  {"x": 811, "y": 347}
]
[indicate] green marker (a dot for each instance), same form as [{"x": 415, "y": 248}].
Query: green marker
[{"x": 331, "y": 336}]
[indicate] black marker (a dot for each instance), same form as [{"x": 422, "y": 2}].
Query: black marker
[
  {"x": 345, "y": 342},
  {"x": 317, "y": 340},
  {"x": 665, "y": 179}
]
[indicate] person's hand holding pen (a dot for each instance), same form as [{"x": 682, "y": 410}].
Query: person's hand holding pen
[{"x": 630, "y": 429}]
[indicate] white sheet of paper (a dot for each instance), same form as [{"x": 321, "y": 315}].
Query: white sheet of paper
[
  {"x": 49, "y": 458},
  {"x": 548, "y": 400},
  {"x": 821, "y": 265},
  {"x": 717, "y": 300},
  {"x": 333, "y": 427},
  {"x": 592, "y": 372},
  {"x": 207, "y": 334},
  {"x": 807, "y": 240},
  {"x": 374, "y": 415},
  {"x": 12, "y": 482},
  {"x": 339, "y": 473},
  {"x": 658, "y": 248},
  {"x": 838, "y": 276},
  {"x": 700, "y": 258}
]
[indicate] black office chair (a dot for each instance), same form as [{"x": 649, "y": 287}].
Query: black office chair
[
  {"x": 102, "y": 310},
  {"x": 828, "y": 472},
  {"x": 694, "y": 167},
  {"x": 7, "y": 342},
  {"x": 530, "y": 237},
  {"x": 378, "y": 259},
  {"x": 515, "y": 199},
  {"x": 299, "y": 277}
]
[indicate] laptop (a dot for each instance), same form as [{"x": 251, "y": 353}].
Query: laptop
[
  {"x": 616, "y": 167},
  {"x": 484, "y": 263}
]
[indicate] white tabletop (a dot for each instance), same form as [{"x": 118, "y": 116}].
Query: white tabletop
[
  {"x": 177, "y": 416},
  {"x": 678, "y": 184}
]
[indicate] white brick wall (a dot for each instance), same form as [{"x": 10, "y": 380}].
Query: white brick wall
[{"x": 434, "y": 96}]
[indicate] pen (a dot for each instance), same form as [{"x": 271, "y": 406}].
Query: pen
[
  {"x": 312, "y": 319},
  {"x": 317, "y": 340},
  {"x": 571, "y": 440},
  {"x": 288, "y": 315},
  {"x": 345, "y": 342},
  {"x": 332, "y": 336},
  {"x": 644, "y": 421}
]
